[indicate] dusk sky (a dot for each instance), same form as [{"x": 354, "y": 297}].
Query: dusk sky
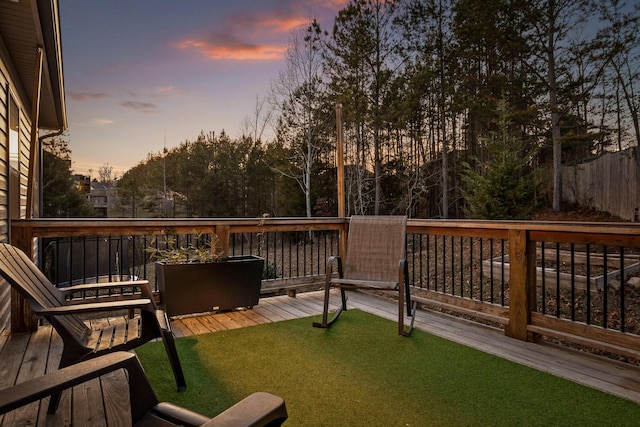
[{"x": 140, "y": 72}]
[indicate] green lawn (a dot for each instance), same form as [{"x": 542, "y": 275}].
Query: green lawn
[{"x": 361, "y": 373}]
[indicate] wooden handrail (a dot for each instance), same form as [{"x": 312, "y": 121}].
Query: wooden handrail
[{"x": 520, "y": 237}]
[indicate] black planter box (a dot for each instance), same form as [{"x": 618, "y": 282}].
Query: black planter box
[{"x": 215, "y": 286}]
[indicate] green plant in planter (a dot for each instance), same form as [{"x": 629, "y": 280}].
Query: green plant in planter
[
  {"x": 169, "y": 251},
  {"x": 193, "y": 277}
]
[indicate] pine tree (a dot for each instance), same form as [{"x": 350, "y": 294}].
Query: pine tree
[
  {"x": 61, "y": 198},
  {"x": 504, "y": 186}
]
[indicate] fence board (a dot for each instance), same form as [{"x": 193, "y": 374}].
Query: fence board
[{"x": 608, "y": 183}]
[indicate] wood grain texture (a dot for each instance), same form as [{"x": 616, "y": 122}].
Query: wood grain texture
[{"x": 608, "y": 375}]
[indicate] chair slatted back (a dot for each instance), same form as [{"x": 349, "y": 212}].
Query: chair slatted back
[
  {"x": 23, "y": 275},
  {"x": 375, "y": 246}
]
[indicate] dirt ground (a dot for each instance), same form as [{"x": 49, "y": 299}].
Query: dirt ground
[{"x": 577, "y": 213}]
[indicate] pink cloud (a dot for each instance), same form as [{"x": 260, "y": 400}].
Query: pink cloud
[
  {"x": 83, "y": 96},
  {"x": 285, "y": 25},
  {"x": 224, "y": 46},
  {"x": 333, "y": 4},
  {"x": 251, "y": 35},
  {"x": 100, "y": 121},
  {"x": 112, "y": 68},
  {"x": 269, "y": 23},
  {"x": 164, "y": 91},
  {"x": 258, "y": 34},
  {"x": 142, "y": 107}
]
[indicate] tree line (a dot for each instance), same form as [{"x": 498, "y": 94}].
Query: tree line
[{"x": 450, "y": 108}]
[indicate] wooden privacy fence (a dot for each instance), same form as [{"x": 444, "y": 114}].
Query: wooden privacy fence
[
  {"x": 578, "y": 282},
  {"x": 608, "y": 183}
]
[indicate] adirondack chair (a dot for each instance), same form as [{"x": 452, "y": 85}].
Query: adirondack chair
[
  {"x": 258, "y": 409},
  {"x": 375, "y": 259},
  {"x": 80, "y": 342}
]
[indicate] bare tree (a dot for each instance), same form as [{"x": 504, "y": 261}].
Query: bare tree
[
  {"x": 298, "y": 97},
  {"x": 105, "y": 173},
  {"x": 255, "y": 125},
  {"x": 621, "y": 36},
  {"x": 552, "y": 23}
]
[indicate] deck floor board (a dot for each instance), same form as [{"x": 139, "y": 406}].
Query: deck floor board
[{"x": 23, "y": 356}]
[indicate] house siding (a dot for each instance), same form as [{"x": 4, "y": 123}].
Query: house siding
[
  {"x": 29, "y": 33},
  {"x": 5, "y": 290},
  {"x": 7, "y": 89},
  {"x": 25, "y": 136}
]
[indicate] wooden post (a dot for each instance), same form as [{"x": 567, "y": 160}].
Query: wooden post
[
  {"x": 340, "y": 166},
  {"x": 22, "y": 317},
  {"x": 340, "y": 161},
  {"x": 522, "y": 284},
  {"x": 221, "y": 245}
]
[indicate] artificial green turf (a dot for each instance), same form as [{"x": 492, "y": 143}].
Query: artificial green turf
[{"x": 361, "y": 373}]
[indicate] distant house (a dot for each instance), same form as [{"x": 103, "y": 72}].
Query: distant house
[
  {"x": 31, "y": 100},
  {"x": 103, "y": 197},
  {"x": 82, "y": 183}
]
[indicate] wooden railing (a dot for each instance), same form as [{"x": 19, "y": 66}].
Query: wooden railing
[{"x": 562, "y": 280}]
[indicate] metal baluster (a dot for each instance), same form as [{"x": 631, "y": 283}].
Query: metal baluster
[
  {"x": 471, "y": 267},
  {"x": 622, "y": 283},
  {"x": 558, "y": 280},
  {"x": 573, "y": 282},
  {"x": 605, "y": 290},
  {"x": 502, "y": 273},
  {"x": 588, "y": 250},
  {"x": 481, "y": 270},
  {"x": 543, "y": 291},
  {"x": 444, "y": 264},
  {"x": 435, "y": 262},
  {"x": 491, "y": 271}
]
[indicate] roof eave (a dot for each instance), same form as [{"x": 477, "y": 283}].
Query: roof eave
[
  {"x": 49, "y": 17},
  {"x": 26, "y": 25}
]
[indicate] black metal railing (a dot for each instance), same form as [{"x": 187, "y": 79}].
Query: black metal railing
[
  {"x": 460, "y": 266},
  {"x": 590, "y": 284},
  {"x": 580, "y": 283},
  {"x": 571, "y": 281},
  {"x": 289, "y": 255}
]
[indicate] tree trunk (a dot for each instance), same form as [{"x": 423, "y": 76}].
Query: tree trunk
[
  {"x": 377, "y": 170},
  {"x": 555, "y": 115}
]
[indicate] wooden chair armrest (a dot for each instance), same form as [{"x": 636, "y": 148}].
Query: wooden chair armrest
[
  {"x": 106, "y": 285},
  {"x": 333, "y": 260},
  {"x": 163, "y": 320},
  {"x": 145, "y": 289},
  {"x": 258, "y": 409},
  {"x": 30, "y": 391},
  {"x": 179, "y": 415},
  {"x": 142, "y": 303}
]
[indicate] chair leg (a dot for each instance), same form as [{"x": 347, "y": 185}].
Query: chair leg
[
  {"x": 325, "y": 310},
  {"x": 401, "y": 329},
  {"x": 325, "y": 307},
  {"x": 407, "y": 332},
  {"x": 174, "y": 361},
  {"x": 411, "y": 309},
  {"x": 407, "y": 291},
  {"x": 401, "y": 296},
  {"x": 54, "y": 400}
]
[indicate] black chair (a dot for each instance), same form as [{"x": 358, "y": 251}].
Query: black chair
[
  {"x": 258, "y": 409},
  {"x": 79, "y": 340}
]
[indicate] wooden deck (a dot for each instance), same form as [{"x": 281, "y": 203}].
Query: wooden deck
[{"x": 23, "y": 356}]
